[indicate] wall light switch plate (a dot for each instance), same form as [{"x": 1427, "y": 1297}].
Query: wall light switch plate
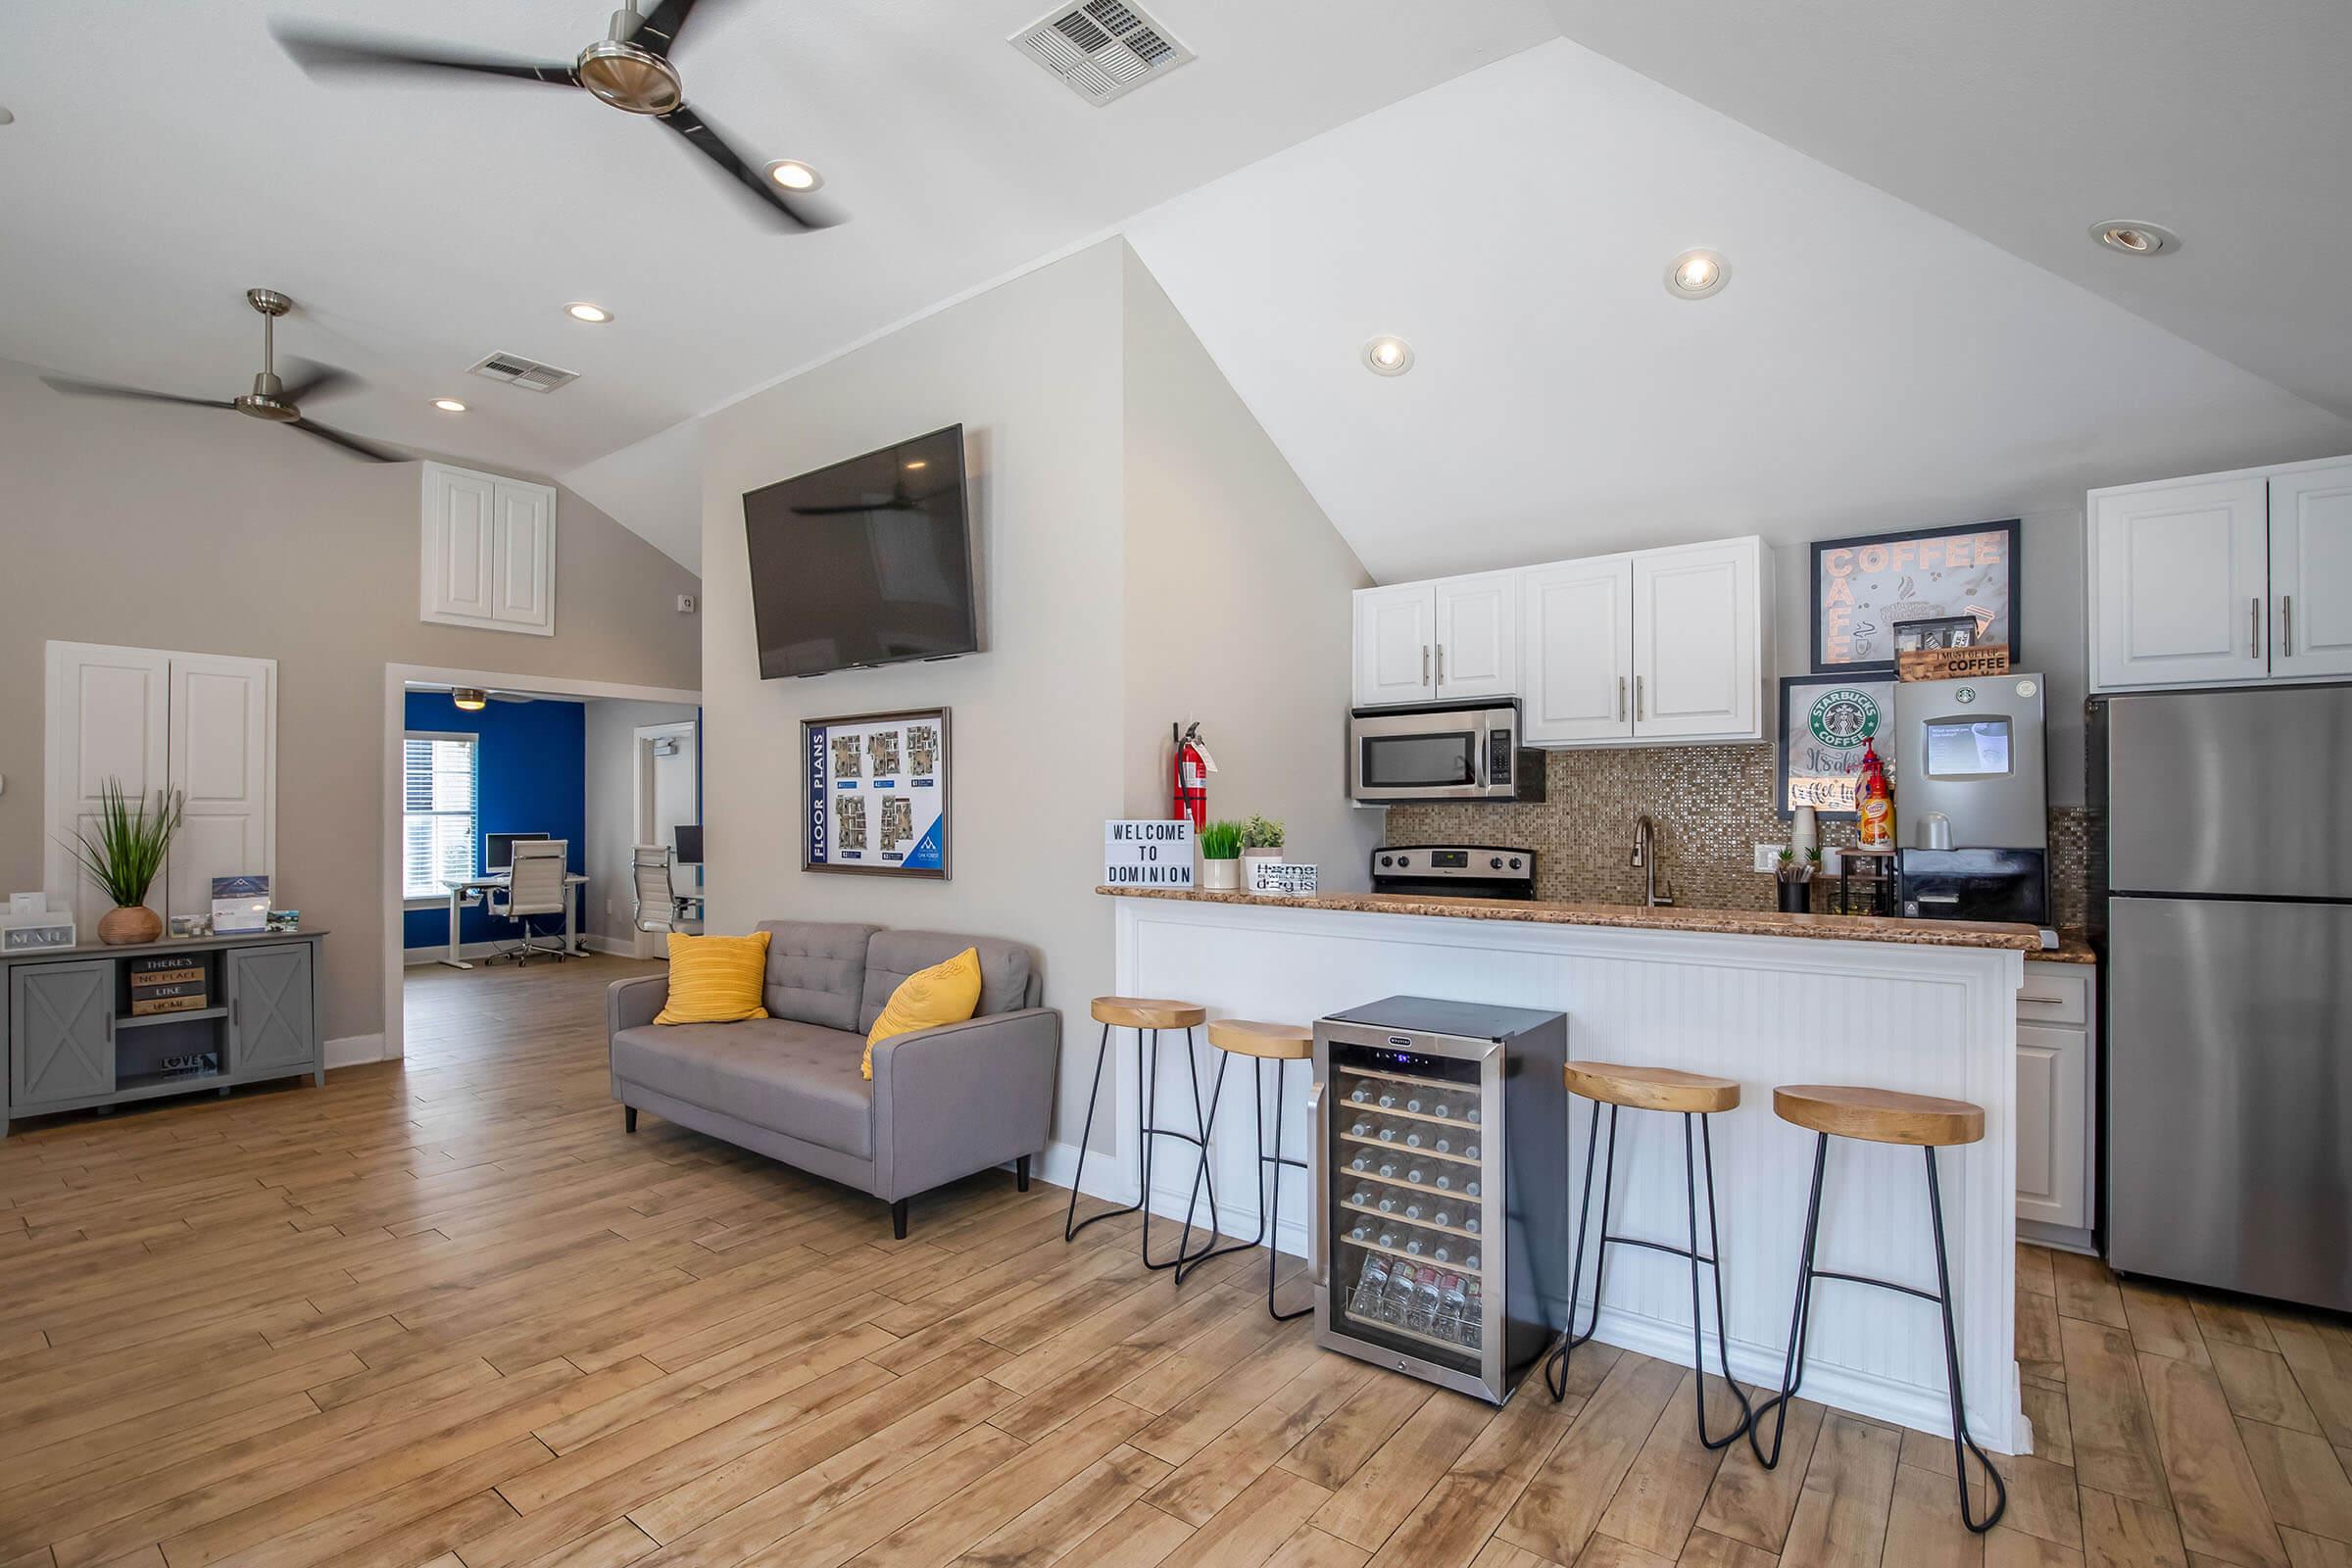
[
  {"x": 685, "y": 604},
  {"x": 1768, "y": 857}
]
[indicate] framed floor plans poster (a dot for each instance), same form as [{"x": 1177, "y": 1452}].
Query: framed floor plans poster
[{"x": 877, "y": 794}]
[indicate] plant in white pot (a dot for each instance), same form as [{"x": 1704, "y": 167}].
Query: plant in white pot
[
  {"x": 1221, "y": 857},
  {"x": 1262, "y": 840},
  {"x": 123, "y": 852}
]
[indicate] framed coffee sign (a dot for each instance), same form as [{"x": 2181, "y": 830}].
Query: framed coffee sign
[
  {"x": 1962, "y": 583},
  {"x": 1826, "y": 720}
]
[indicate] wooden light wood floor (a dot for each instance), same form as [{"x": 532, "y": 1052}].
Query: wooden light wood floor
[{"x": 449, "y": 1314}]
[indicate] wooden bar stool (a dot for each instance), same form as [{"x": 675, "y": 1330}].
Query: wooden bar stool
[
  {"x": 1879, "y": 1116},
  {"x": 1146, "y": 1016},
  {"x": 1280, "y": 1044},
  {"x": 1693, "y": 1097}
]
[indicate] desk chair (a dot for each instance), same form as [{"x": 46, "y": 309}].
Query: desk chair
[
  {"x": 535, "y": 888},
  {"x": 658, "y": 907}
]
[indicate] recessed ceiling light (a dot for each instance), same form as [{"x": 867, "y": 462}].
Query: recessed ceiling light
[
  {"x": 582, "y": 310},
  {"x": 1695, "y": 274},
  {"x": 793, "y": 174},
  {"x": 1387, "y": 356},
  {"x": 2136, "y": 238},
  {"x": 449, "y": 405}
]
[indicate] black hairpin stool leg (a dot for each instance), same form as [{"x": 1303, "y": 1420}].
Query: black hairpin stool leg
[{"x": 1071, "y": 1224}]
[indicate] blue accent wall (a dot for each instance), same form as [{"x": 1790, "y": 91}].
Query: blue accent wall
[{"x": 533, "y": 763}]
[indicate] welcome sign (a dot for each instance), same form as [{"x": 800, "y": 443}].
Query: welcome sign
[
  {"x": 1147, "y": 854},
  {"x": 877, "y": 794}
]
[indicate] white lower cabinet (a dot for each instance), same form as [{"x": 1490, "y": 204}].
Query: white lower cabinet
[{"x": 2056, "y": 1074}]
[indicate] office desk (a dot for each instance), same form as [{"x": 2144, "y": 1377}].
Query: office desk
[{"x": 472, "y": 888}]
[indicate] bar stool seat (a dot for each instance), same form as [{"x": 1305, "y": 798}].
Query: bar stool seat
[
  {"x": 1268, "y": 1042},
  {"x": 1880, "y": 1116},
  {"x": 1651, "y": 1088},
  {"x": 1260, "y": 1042},
  {"x": 1148, "y": 1012}
]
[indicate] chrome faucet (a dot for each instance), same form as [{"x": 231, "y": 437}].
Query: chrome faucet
[{"x": 1645, "y": 855}]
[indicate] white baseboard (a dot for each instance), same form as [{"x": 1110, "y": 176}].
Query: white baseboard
[
  {"x": 615, "y": 947},
  {"x": 353, "y": 1049},
  {"x": 475, "y": 952}
]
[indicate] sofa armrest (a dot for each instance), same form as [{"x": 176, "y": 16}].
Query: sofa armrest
[
  {"x": 961, "y": 1098},
  {"x": 634, "y": 1003}
]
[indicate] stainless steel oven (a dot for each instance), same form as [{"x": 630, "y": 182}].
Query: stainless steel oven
[{"x": 1439, "y": 753}]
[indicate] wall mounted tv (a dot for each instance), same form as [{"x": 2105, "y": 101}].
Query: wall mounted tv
[{"x": 867, "y": 562}]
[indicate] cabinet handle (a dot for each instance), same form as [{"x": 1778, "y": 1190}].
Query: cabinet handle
[
  {"x": 2286, "y": 625},
  {"x": 110, "y": 1026},
  {"x": 1621, "y": 698},
  {"x": 1318, "y": 1266},
  {"x": 233, "y": 1013},
  {"x": 2254, "y": 637},
  {"x": 1425, "y": 663},
  {"x": 1441, "y": 663},
  {"x": 1636, "y": 698}
]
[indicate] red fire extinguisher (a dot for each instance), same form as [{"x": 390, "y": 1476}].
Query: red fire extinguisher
[{"x": 1194, "y": 764}]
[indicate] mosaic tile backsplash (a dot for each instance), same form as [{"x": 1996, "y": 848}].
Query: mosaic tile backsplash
[{"x": 1712, "y": 806}]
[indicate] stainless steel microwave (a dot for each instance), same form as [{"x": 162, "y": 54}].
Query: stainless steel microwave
[{"x": 1439, "y": 753}]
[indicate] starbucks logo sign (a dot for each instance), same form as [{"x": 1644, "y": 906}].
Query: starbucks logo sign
[{"x": 1843, "y": 717}]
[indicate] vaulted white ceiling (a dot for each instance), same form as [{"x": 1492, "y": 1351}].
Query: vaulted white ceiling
[
  {"x": 166, "y": 156},
  {"x": 1868, "y": 363}
]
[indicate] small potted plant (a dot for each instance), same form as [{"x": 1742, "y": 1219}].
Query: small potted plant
[
  {"x": 1795, "y": 880},
  {"x": 1221, "y": 857},
  {"x": 123, "y": 852},
  {"x": 1262, "y": 840}
]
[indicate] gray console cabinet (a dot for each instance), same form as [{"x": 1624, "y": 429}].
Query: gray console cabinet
[{"x": 73, "y": 1043}]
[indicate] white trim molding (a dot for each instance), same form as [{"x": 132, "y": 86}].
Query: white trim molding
[{"x": 351, "y": 1051}]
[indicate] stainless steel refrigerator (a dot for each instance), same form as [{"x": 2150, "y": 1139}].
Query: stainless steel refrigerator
[{"x": 2221, "y": 865}]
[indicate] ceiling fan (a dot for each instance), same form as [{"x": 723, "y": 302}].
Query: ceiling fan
[
  {"x": 630, "y": 67},
  {"x": 473, "y": 698},
  {"x": 271, "y": 399}
]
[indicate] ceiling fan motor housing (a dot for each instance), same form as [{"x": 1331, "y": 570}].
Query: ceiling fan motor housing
[{"x": 626, "y": 74}]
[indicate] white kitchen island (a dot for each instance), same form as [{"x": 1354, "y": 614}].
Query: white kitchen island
[{"x": 1928, "y": 1008}]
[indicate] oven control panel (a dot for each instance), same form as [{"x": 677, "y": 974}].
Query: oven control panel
[{"x": 1462, "y": 870}]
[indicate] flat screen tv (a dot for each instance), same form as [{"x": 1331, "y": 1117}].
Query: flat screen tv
[{"x": 866, "y": 562}]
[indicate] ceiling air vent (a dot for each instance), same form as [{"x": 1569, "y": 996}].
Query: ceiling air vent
[
  {"x": 528, "y": 374},
  {"x": 1103, "y": 49}
]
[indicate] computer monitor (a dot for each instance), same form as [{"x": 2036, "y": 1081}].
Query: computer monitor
[
  {"x": 690, "y": 843},
  {"x": 497, "y": 849}
]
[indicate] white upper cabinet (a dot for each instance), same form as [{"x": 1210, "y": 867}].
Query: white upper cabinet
[
  {"x": 1478, "y": 635},
  {"x": 2311, "y": 571},
  {"x": 489, "y": 552},
  {"x": 2224, "y": 578},
  {"x": 1697, "y": 642},
  {"x": 1395, "y": 643},
  {"x": 2179, "y": 583},
  {"x": 1578, "y": 652}
]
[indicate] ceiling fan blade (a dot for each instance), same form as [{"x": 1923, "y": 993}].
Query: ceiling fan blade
[
  {"x": 658, "y": 33},
  {"x": 316, "y": 50},
  {"x": 509, "y": 696},
  {"x": 373, "y": 453},
  {"x": 797, "y": 212},
  {"x": 103, "y": 389},
  {"x": 317, "y": 381}
]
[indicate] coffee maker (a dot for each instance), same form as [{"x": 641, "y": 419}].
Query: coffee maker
[{"x": 1973, "y": 807}]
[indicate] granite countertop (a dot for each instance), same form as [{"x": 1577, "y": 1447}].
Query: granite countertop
[
  {"x": 2073, "y": 946},
  {"x": 2023, "y": 939}
]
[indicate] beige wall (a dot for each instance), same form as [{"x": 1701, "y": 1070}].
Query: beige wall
[
  {"x": 1237, "y": 602},
  {"x": 1138, "y": 536},
  {"x": 612, "y": 765},
  {"x": 179, "y": 528}
]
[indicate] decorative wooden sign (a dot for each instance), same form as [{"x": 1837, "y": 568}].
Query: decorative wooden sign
[{"x": 1953, "y": 663}]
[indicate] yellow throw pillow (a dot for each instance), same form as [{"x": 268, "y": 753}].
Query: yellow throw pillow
[
  {"x": 945, "y": 993},
  {"x": 716, "y": 979}
]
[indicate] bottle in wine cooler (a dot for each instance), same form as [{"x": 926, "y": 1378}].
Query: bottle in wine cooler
[
  {"x": 1363, "y": 1198},
  {"x": 1470, "y": 1221},
  {"x": 1362, "y": 1129},
  {"x": 1360, "y": 1162},
  {"x": 1388, "y": 1237},
  {"x": 1387, "y": 1202},
  {"x": 1473, "y": 1319},
  {"x": 1442, "y": 1182},
  {"x": 1443, "y": 1145},
  {"x": 1388, "y": 1135},
  {"x": 1413, "y": 1247},
  {"x": 1413, "y": 1140},
  {"x": 1371, "y": 1287},
  {"x": 1471, "y": 1113},
  {"x": 1362, "y": 1233},
  {"x": 1453, "y": 1311},
  {"x": 1472, "y": 1189},
  {"x": 1388, "y": 1101},
  {"x": 1442, "y": 1253},
  {"x": 1414, "y": 1104},
  {"x": 1397, "y": 1300},
  {"x": 1442, "y": 1217},
  {"x": 1361, "y": 1095},
  {"x": 1427, "y": 1301},
  {"x": 1470, "y": 1152},
  {"x": 1412, "y": 1211},
  {"x": 1441, "y": 1111}
]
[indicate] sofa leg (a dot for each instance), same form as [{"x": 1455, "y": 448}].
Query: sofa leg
[
  {"x": 898, "y": 1219},
  {"x": 1021, "y": 1173},
  {"x": 628, "y": 1118}
]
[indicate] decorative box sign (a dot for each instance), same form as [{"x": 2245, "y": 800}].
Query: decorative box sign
[
  {"x": 1953, "y": 663},
  {"x": 240, "y": 904},
  {"x": 35, "y": 933},
  {"x": 1147, "y": 854},
  {"x": 877, "y": 794},
  {"x": 1281, "y": 879}
]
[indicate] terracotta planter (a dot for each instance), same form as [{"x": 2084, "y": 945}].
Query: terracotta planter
[
  {"x": 130, "y": 926},
  {"x": 1220, "y": 876}
]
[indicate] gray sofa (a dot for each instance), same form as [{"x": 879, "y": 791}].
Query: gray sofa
[{"x": 944, "y": 1103}]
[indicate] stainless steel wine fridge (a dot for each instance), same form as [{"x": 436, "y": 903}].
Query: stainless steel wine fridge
[{"x": 1440, "y": 1223}]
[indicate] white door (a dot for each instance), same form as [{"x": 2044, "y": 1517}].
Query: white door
[
  {"x": 1396, "y": 639},
  {"x": 2179, "y": 584},
  {"x": 2053, "y": 1089},
  {"x": 1577, "y": 652},
  {"x": 1477, "y": 623},
  {"x": 1696, "y": 648},
  {"x": 523, "y": 580},
  {"x": 668, "y": 797},
  {"x": 109, "y": 712},
  {"x": 2311, "y": 573},
  {"x": 224, "y": 712},
  {"x": 461, "y": 539}
]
